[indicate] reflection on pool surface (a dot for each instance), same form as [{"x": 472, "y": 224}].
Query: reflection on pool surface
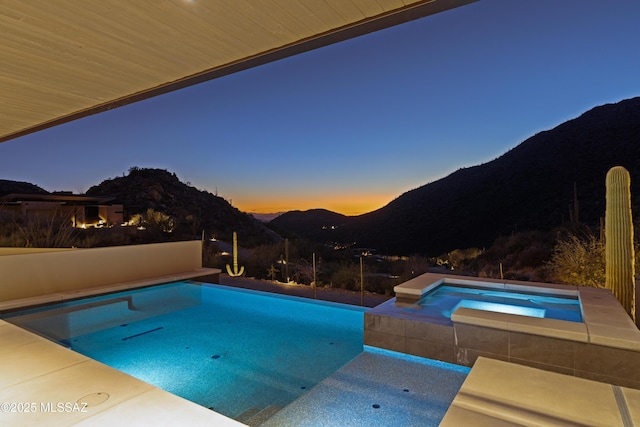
[
  {"x": 446, "y": 299},
  {"x": 234, "y": 351}
]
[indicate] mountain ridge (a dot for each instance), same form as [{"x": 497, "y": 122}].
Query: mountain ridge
[
  {"x": 530, "y": 187},
  {"x": 533, "y": 186},
  {"x": 194, "y": 210},
  {"x": 7, "y": 186}
]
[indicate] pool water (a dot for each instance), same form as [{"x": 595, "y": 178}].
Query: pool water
[
  {"x": 446, "y": 299},
  {"x": 234, "y": 351}
]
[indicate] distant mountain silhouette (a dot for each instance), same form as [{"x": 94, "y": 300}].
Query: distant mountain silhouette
[
  {"x": 8, "y": 187},
  {"x": 315, "y": 224},
  {"x": 531, "y": 187},
  {"x": 193, "y": 209}
]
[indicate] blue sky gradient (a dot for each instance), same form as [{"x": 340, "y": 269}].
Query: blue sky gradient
[{"x": 351, "y": 126}]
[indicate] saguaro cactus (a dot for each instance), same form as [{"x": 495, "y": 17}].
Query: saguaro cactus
[
  {"x": 619, "y": 252},
  {"x": 235, "y": 271}
]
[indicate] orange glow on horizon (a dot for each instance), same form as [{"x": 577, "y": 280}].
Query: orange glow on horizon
[{"x": 345, "y": 205}]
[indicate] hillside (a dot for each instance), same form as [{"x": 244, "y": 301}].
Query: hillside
[
  {"x": 531, "y": 187},
  {"x": 194, "y": 210},
  {"x": 8, "y": 187},
  {"x": 315, "y": 224}
]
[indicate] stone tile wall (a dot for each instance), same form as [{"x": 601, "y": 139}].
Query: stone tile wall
[{"x": 463, "y": 343}]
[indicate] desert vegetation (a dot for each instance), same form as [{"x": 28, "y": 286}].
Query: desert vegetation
[
  {"x": 37, "y": 231},
  {"x": 572, "y": 255},
  {"x": 57, "y": 231},
  {"x": 333, "y": 268}
]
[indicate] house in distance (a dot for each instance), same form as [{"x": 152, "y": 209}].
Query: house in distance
[{"x": 83, "y": 211}]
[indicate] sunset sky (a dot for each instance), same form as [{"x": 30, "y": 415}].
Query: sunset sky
[{"x": 352, "y": 126}]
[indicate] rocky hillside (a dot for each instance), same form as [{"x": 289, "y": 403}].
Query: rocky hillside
[
  {"x": 7, "y": 187},
  {"x": 194, "y": 210},
  {"x": 531, "y": 187}
]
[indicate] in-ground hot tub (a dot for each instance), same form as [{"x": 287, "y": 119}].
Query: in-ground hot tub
[
  {"x": 445, "y": 299},
  {"x": 604, "y": 344}
]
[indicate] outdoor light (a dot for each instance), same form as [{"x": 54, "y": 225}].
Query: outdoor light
[{"x": 501, "y": 308}]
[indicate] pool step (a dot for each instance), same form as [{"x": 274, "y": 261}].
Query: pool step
[
  {"x": 246, "y": 415},
  {"x": 256, "y": 416}
]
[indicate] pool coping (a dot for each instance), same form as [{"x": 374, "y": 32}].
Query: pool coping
[
  {"x": 489, "y": 397},
  {"x": 99, "y": 290},
  {"x": 605, "y": 321},
  {"x": 415, "y": 288}
]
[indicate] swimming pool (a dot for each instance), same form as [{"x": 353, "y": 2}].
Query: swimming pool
[
  {"x": 445, "y": 299},
  {"x": 234, "y": 351}
]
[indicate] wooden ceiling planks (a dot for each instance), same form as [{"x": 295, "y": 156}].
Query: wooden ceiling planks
[{"x": 64, "y": 60}]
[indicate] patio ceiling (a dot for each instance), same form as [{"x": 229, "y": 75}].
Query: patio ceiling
[{"x": 62, "y": 60}]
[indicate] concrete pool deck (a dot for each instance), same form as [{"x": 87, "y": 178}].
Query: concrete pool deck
[{"x": 498, "y": 393}]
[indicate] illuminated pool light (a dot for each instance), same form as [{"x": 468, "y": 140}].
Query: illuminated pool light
[{"x": 501, "y": 308}]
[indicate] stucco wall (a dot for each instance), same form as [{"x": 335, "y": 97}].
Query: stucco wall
[{"x": 36, "y": 274}]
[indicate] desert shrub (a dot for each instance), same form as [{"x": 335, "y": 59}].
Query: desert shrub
[
  {"x": 521, "y": 255},
  {"x": 45, "y": 232},
  {"x": 578, "y": 260},
  {"x": 153, "y": 219},
  {"x": 260, "y": 260},
  {"x": 347, "y": 276},
  {"x": 417, "y": 265}
]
